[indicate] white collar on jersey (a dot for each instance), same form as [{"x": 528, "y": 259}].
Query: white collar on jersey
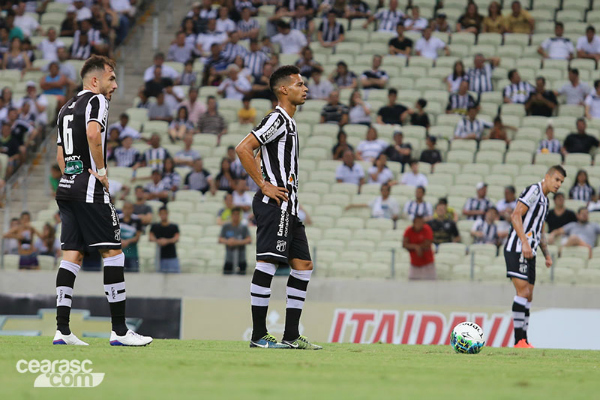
[
  {"x": 284, "y": 112},
  {"x": 83, "y": 91}
]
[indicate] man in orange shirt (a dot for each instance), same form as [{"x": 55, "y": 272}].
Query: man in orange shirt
[{"x": 417, "y": 240}]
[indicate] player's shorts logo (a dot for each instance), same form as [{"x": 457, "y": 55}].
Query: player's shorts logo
[
  {"x": 118, "y": 235},
  {"x": 281, "y": 245},
  {"x": 284, "y": 221},
  {"x": 523, "y": 268}
]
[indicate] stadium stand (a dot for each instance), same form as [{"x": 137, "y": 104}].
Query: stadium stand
[{"x": 350, "y": 242}]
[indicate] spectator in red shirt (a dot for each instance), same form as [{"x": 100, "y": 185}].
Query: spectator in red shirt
[{"x": 417, "y": 240}]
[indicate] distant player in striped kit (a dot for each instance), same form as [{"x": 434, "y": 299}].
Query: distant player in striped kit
[
  {"x": 280, "y": 236},
  {"x": 520, "y": 250}
]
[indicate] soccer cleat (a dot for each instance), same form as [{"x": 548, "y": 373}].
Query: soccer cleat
[
  {"x": 302, "y": 343},
  {"x": 129, "y": 339},
  {"x": 530, "y": 345},
  {"x": 71, "y": 339},
  {"x": 522, "y": 344},
  {"x": 268, "y": 342}
]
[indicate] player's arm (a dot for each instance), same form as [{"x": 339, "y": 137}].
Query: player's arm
[
  {"x": 544, "y": 247},
  {"x": 245, "y": 151},
  {"x": 60, "y": 158},
  {"x": 94, "y": 137},
  {"x": 517, "y": 223}
]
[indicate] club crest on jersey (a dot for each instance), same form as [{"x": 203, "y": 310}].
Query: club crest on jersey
[{"x": 281, "y": 245}]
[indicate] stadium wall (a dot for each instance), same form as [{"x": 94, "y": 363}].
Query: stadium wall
[{"x": 342, "y": 310}]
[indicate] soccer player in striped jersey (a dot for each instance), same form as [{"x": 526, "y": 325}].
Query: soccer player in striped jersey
[
  {"x": 280, "y": 236},
  {"x": 525, "y": 236}
]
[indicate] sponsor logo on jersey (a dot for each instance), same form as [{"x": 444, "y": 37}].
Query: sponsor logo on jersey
[
  {"x": 284, "y": 221},
  {"x": 270, "y": 132},
  {"x": 118, "y": 235}
]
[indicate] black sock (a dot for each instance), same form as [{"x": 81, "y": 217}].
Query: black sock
[
  {"x": 114, "y": 288},
  {"x": 296, "y": 294},
  {"x": 519, "y": 309},
  {"x": 65, "y": 281},
  {"x": 260, "y": 293}
]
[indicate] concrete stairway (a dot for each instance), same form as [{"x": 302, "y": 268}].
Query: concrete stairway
[{"x": 135, "y": 56}]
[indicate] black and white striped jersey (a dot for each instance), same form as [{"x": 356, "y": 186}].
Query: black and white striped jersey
[
  {"x": 476, "y": 204},
  {"x": 553, "y": 146},
  {"x": 126, "y": 157},
  {"x": 291, "y": 4},
  {"x": 459, "y": 104},
  {"x": 247, "y": 26},
  {"x": 582, "y": 192},
  {"x": 300, "y": 23},
  {"x": 480, "y": 79},
  {"x": 77, "y": 184},
  {"x": 519, "y": 92},
  {"x": 533, "y": 221},
  {"x": 255, "y": 62},
  {"x": 155, "y": 158},
  {"x": 466, "y": 127},
  {"x": 388, "y": 20},
  {"x": 331, "y": 32},
  {"x": 413, "y": 208},
  {"x": 232, "y": 50},
  {"x": 490, "y": 232},
  {"x": 278, "y": 136}
]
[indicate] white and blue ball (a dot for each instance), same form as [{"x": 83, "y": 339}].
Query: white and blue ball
[{"x": 467, "y": 338}]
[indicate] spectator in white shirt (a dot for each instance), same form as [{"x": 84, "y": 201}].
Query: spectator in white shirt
[
  {"x": 588, "y": 46},
  {"x": 241, "y": 197},
  {"x": 194, "y": 105},
  {"x": 383, "y": 206},
  {"x": 124, "y": 129},
  {"x": 319, "y": 88},
  {"x": 224, "y": 23},
  {"x": 82, "y": 11},
  {"x": 234, "y": 86},
  {"x": 25, "y": 22},
  {"x": 428, "y": 45},
  {"x": 506, "y": 206},
  {"x": 379, "y": 172},
  {"x": 37, "y": 104},
  {"x": 291, "y": 40},
  {"x": 205, "y": 40},
  {"x": 350, "y": 171},
  {"x": 592, "y": 102},
  {"x": 414, "y": 177},
  {"x": 558, "y": 47},
  {"x": 416, "y": 23},
  {"x": 369, "y": 149},
  {"x": 49, "y": 46},
  {"x": 574, "y": 91},
  {"x": 166, "y": 72}
]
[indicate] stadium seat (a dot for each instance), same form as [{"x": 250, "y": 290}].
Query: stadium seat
[
  {"x": 518, "y": 157},
  {"x": 483, "y": 249},
  {"x": 578, "y": 160},
  {"x": 489, "y": 157},
  {"x": 475, "y": 168},
  {"x": 548, "y": 159}
]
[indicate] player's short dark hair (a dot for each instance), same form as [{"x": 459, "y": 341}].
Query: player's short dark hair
[
  {"x": 422, "y": 103},
  {"x": 96, "y": 63},
  {"x": 138, "y": 187},
  {"x": 282, "y": 73},
  {"x": 163, "y": 208},
  {"x": 574, "y": 71},
  {"x": 541, "y": 78},
  {"x": 511, "y": 188},
  {"x": 590, "y": 28},
  {"x": 124, "y": 115},
  {"x": 392, "y": 91},
  {"x": 557, "y": 168},
  {"x": 25, "y": 213},
  {"x": 511, "y": 73},
  {"x": 236, "y": 209},
  {"x": 422, "y": 188},
  {"x": 558, "y": 23}
]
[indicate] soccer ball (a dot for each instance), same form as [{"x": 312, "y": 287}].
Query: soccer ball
[{"x": 467, "y": 338}]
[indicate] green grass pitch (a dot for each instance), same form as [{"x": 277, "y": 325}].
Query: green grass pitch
[{"x": 191, "y": 369}]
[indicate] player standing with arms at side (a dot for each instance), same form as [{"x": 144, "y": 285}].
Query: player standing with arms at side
[
  {"x": 280, "y": 235},
  {"x": 520, "y": 251},
  {"x": 88, "y": 217}
]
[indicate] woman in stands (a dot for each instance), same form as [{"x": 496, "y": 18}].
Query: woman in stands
[
  {"x": 342, "y": 77},
  {"x": 15, "y": 58},
  {"x": 170, "y": 177},
  {"x": 380, "y": 173},
  {"x": 582, "y": 190},
  {"x": 47, "y": 244},
  {"x": 225, "y": 178},
  {"x": 359, "y": 110},
  {"x": 24, "y": 233},
  {"x": 341, "y": 146},
  {"x": 470, "y": 21},
  {"x": 494, "y": 22},
  {"x": 181, "y": 125},
  {"x": 458, "y": 75}
]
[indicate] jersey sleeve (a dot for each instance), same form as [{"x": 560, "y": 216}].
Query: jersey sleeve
[
  {"x": 270, "y": 128},
  {"x": 530, "y": 195},
  {"x": 97, "y": 110}
]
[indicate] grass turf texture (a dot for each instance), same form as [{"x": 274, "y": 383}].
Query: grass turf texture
[{"x": 173, "y": 369}]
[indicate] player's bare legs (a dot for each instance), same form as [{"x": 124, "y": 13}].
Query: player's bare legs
[
  {"x": 297, "y": 286},
  {"x": 521, "y": 307}
]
